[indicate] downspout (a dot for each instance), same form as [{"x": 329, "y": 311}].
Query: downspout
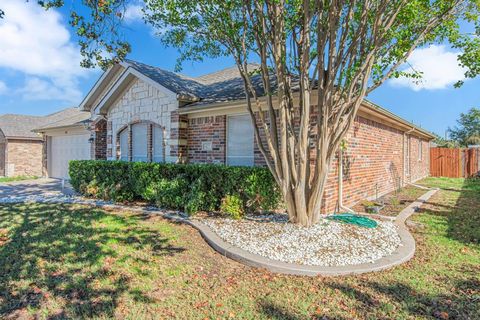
[
  {"x": 341, "y": 207},
  {"x": 406, "y": 155}
]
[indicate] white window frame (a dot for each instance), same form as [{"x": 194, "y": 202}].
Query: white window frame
[{"x": 252, "y": 157}]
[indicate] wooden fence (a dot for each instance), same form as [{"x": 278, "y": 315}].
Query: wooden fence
[{"x": 454, "y": 162}]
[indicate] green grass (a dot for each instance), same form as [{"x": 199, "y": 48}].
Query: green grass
[
  {"x": 61, "y": 261},
  {"x": 18, "y": 178}
]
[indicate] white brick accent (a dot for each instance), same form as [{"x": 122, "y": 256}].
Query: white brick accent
[{"x": 139, "y": 102}]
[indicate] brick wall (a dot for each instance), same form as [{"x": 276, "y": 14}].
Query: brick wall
[
  {"x": 373, "y": 162},
  {"x": 207, "y": 139},
  {"x": 2, "y": 154},
  {"x": 99, "y": 145},
  {"x": 24, "y": 158}
]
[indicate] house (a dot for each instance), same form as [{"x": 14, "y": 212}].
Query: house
[
  {"x": 143, "y": 113},
  {"x": 21, "y": 149}
]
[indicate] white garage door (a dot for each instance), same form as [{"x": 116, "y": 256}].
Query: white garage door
[{"x": 66, "y": 148}]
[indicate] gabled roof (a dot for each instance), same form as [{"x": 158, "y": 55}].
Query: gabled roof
[
  {"x": 65, "y": 118},
  {"x": 220, "y": 86},
  {"x": 18, "y": 126}
]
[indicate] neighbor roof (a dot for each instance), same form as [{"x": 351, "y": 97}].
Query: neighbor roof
[
  {"x": 20, "y": 126},
  {"x": 17, "y": 126}
]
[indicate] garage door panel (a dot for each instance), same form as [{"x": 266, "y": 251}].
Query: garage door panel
[{"x": 65, "y": 149}]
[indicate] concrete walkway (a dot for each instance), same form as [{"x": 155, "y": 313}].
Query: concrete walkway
[{"x": 37, "y": 187}]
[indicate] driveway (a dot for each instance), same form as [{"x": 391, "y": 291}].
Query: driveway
[{"x": 35, "y": 187}]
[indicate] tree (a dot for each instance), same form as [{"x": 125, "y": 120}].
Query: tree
[
  {"x": 467, "y": 132},
  {"x": 318, "y": 59},
  {"x": 444, "y": 143}
]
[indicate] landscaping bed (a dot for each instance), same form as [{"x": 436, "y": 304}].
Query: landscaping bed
[
  {"x": 328, "y": 243},
  {"x": 392, "y": 203},
  {"x": 76, "y": 262}
]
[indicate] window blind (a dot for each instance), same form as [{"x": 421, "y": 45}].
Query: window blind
[
  {"x": 240, "y": 141},
  {"x": 124, "y": 145},
  {"x": 157, "y": 151},
  {"x": 139, "y": 142}
]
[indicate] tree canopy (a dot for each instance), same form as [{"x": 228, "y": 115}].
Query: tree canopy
[
  {"x": 467, "y": 131},
  {"x": 316, "y": 61}
]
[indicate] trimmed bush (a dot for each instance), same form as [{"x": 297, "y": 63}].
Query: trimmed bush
[{"x": 188, "y": 187}]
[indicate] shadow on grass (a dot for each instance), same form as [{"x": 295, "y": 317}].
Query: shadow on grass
[
  {"x": 463, "y": 215},
  {"x": 456, "y": 305},
  {"x": 55, "y": 252}
]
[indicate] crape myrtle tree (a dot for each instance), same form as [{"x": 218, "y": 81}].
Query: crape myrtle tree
[{"x": 316, "y": 59}]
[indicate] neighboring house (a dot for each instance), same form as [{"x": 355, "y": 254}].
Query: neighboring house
[
  {"x": 22, "y": 149},
  {"x": 143, "y": 113}
]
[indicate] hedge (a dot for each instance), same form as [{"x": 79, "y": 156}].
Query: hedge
[{"x": 188, "y": 187}]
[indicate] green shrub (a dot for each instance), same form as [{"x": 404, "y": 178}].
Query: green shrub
[
  {"x": 189, "y": 187},
  {"x": 232, "y": 206},
  {"x": 171, "y": 193}
]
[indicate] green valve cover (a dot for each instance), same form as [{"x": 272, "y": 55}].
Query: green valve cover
[{"x": 354, "y": 219}]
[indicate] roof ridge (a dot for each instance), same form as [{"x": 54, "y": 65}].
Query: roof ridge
[
  {"x": 225, "y": 69},
  {"x": 59, "y": 111}
]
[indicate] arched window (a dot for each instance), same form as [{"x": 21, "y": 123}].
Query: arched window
[
  {"x": 157, "y": 144},
  {"x": 140, "y": 142},
  {"x": 123, "y": 140}
]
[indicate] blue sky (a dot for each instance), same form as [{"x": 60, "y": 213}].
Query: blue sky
[{"x": 40, "y": 73}]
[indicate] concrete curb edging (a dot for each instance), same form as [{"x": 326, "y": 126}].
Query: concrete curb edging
[{"x": 403, "y": 253}]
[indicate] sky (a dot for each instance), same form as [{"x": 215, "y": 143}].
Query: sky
[{"x": 40, "y": 72}]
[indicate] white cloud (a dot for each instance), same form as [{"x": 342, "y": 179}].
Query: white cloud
[
  {"x": 3, "y": 88},
  {"x": 440, "y": 69},
  {"x": 133, "y": 12},
  {"x": 36, "y": 43}
]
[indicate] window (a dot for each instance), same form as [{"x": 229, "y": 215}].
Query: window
[
  {"x": 139, "y": 142},
  {"x": 420, "y": 149},
  {"x": 240, "y": 141},
  {"x": 124, "y": 145},
  {"x": 157, "y": 144}
]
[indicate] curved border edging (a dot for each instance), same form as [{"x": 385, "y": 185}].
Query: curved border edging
[{"x": 401, "y": 255}]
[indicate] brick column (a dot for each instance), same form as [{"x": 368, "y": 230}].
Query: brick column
[
  {"x": 99, "y": 143},
  {"x": 178, "y": 137}
]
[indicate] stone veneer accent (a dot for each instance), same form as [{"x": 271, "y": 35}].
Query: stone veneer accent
[
  {"x": 143, "y": 102},
  {"x": 373, "y": 161}
]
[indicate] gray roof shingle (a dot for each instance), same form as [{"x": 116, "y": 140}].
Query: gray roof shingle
[
  {"x": 65, "y": 118},
  {"x": 220, "y": 86},
  {"x": 21, "y": 126}
]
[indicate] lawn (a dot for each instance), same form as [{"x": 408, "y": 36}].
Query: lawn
[
  {"x": 67, "y": 261},
  {"x": 18, "y": 178}
]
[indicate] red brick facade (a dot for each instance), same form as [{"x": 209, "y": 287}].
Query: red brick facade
[
  {"x": 375, "y": 161},
  {"x": 207, "y": 139}
]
